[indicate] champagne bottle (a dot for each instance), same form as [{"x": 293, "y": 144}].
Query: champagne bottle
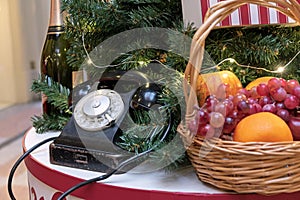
[{"x": 54, "y": 66}]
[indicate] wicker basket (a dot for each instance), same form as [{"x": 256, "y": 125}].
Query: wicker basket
[{"x": 263, "y": 168}]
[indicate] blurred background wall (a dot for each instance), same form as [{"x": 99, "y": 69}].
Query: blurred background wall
[{"x": 23, "y": 28}]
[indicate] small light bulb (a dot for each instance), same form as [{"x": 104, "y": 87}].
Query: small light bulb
[
  {"x": 89, "y": 61},
  {"x": 231, "y": 60},
  {"x": 280, "y": 69},
  {"x": 142, "y": 63}
]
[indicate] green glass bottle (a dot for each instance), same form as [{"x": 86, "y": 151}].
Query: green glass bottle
[{"x": 53, "y": 58}]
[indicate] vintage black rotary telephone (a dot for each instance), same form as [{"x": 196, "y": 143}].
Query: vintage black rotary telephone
[{"x": 90, "y": 139}]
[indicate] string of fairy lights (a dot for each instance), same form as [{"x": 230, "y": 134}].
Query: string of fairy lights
[
  {"x": 279, "y": 69},
  {"x": 141, "y": 63}
]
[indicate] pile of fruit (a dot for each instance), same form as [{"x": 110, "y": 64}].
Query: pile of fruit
[{"x": 264, "y": 111}]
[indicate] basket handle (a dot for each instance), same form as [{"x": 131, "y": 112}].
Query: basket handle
[{"x": 215, "y": 15}]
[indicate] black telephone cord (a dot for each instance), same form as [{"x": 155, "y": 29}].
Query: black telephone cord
[
  {"x": 81, "y": 184},
  {"x": 18, "y": 162},
  {"x": 123, "y": 164},
  {"x": 104, "y": 176}
]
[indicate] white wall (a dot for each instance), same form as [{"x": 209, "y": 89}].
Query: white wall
[
  {"x": 22, "y": 33},
  {"x": 191, "y": 12},
  {"x": 7, "y": 84}
]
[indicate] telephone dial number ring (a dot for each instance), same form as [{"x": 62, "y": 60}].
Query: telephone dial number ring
[{"x": 98, "y": 109}]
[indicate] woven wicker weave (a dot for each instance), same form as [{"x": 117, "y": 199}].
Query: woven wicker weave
[{"x": 264, "y": 168}]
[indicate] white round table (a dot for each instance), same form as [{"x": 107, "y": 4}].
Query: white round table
[{"x": 47, "y": 181}]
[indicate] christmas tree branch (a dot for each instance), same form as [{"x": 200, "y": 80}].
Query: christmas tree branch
[
  {"x": 47, "y": 123},
  {"x": 57, "y": 95}
]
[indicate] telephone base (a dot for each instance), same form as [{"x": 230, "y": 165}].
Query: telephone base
[
  {"x": 88, "y": 151},
  {"x": 77, "y": 157}
]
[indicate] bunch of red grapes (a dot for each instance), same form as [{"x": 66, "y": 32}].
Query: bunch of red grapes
[{"x": 221, "y": 112}]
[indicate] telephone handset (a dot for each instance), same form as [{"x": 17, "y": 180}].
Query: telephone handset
[{"x": 89, "y": 140}]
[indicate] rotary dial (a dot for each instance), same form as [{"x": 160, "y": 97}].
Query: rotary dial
[{"x": 98, "y": 109}]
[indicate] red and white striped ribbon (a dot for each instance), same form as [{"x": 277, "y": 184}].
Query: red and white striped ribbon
[{"x": 249, "y": 14}]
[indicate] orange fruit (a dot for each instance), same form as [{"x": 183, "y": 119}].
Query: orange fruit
[
  {"x": 212, "y": 83},
  {"x": 262, "y": 127},
  {"x": 258, "y": 81}
]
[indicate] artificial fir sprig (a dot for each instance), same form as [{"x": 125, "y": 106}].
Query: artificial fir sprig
[
  {"x": 49, "y": 122},
  {"x": 147, "y": 131},
  {"x": 57, "y": 96},
  {"x": 144, "y": 132}
]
